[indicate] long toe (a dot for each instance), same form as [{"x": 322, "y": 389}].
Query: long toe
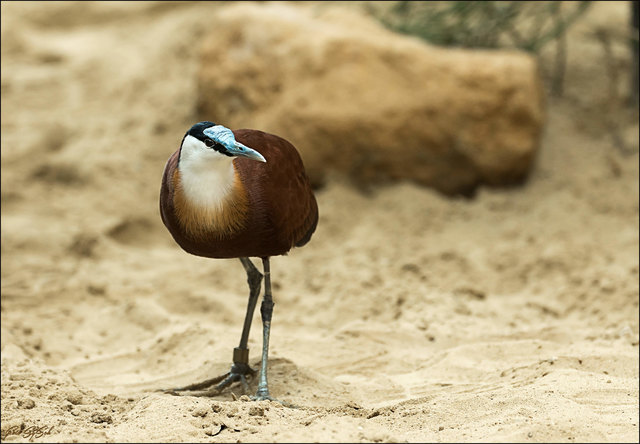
[
  {"x": 203, "y": 385},
  {"x": 214, "y": 386}
]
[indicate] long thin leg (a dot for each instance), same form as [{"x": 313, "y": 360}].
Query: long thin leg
[
  {"x": 240, "y": 367},
  {"x": 254, "y": 279},
  {"x": 266, "y": 310}
]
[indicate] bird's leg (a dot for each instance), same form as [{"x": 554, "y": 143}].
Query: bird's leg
[
  {"x": 266, "y": 310},
  {"x": 240, "y": 367}
]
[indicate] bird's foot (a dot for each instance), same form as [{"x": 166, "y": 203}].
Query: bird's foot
[
  {"x": 214, "y": 386},
  {"x": 263, "y": 395}
]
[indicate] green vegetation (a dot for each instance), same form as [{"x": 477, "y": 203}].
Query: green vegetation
[{"x": 526, "y": 25}]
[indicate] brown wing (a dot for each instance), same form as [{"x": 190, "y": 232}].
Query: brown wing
[
  {"x": 280, "y": 187},
  {"x": 167, "y": 188}
]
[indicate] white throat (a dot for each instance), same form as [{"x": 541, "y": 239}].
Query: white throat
[{"x": 207, "y": 177}]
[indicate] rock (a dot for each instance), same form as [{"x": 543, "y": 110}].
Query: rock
[
  {"x": 100, "y": 418},
  {"x": 26, "y": 403},
  {"x": 74, "y": 397},
  {"x": 360, "y": 100},
  {"x": 200, "y": 412}
]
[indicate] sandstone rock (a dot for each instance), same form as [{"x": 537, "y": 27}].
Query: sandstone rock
[{"x": 356, "y": 98}]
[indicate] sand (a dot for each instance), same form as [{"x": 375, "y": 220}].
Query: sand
[{"x": 410, "y": 316}]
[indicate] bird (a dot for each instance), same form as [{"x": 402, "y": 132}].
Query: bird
[{"x": 238, "y": 194}]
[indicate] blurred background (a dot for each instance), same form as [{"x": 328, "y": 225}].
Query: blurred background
[{"x": 476, "y": 168}]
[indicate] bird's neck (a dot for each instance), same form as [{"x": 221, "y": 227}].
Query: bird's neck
[
  {"x": 206, "y": 184},
  {"x": 209, "y": 198}
]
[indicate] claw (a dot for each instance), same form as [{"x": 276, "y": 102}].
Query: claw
[{"x": 214, "y": 386}]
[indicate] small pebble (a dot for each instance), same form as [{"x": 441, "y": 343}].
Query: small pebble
[
  {"x": 373, "y": 414},
  {"x": 26, "y": 403},
  {"x": 99, "y": 418},
  {"x": 74, "y": 397},
  {"x": 200, "y": 411}
]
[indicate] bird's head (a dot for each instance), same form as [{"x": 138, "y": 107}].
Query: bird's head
[{"x": 206, "y": 140}]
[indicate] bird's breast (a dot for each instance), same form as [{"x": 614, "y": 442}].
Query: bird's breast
[{"x": 207, "y": 208}]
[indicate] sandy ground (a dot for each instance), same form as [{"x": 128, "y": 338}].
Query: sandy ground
[{"x": 512, "y": 316}]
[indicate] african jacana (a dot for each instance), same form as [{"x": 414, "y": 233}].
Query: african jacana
[{"x": 221, "y": 199}]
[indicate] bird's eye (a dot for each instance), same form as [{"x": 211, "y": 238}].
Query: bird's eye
[{"x": 208, "y": 142}]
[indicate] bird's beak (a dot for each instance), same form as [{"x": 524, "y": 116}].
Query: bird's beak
[{"x": 241, "y": 150}]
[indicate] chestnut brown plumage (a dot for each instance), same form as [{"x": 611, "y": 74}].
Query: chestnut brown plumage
[{"x": 262, "y": 207}]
